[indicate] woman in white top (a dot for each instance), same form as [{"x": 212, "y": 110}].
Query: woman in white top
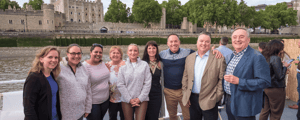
[
  {"x": 74, "y": 86},
  {"x": 115, "y": 106},
  {"x": 134, "y": 83},
  {"x": 99, "y": 77}
]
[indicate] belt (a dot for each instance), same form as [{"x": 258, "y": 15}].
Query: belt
[{"x": 195, "y": 94}]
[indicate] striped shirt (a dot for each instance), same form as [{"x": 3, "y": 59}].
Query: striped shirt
[{"x": 230, "y": 68}]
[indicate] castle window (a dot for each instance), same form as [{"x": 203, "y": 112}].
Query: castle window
[
  {"x": 40, "y": 22},
  {"x": 47, "y": 21},
  {"x": 85, "y": 8},
  {"x": 69, "y": 6},
  {"x": 85, "y": 14},
  {"x": 99, "y": 15},
  {"x": 22, "y": 22},
  {"x": 92, "y": 14},
  {"x": 71, "y": 13},
  {"x": 10, "y": 21},
  {"x": 99, "y": 10},
  {"x": 85, "y": 21},
  {"x": 93, "y": 21},
  {"x": 72, "y": 6},
  {"x": 71, "y": 20},
  {"x": 79, "y": 13},
  {"x": 92, "y": 9},
  {"x": 77, "y": 7},
  {"x": 79, "y": 20},
  {"x": 52, "y": 21}
]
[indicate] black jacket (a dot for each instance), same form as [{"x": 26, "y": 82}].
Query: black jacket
[
  {"x": 37, "y": 98},
  {"x": 277, "y": 72}
]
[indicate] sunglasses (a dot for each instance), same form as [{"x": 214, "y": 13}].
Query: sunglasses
[{"x": 96, "y": 44}]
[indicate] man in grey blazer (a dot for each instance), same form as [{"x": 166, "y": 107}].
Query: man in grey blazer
[{"x": 202, "y": 81}]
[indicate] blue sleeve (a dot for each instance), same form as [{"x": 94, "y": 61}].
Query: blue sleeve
[
  {"x": 261, "y": 78},
  {"x": 192, "y": 51}
]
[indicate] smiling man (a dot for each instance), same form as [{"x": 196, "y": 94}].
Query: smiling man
[
  {"x": 247, "y": 74},
  {"x": 174, "y": 62},
  {"x": 202, "y": 81}
]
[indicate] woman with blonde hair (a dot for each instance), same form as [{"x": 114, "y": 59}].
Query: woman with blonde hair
[
  {"x": 40, "y": 93},
  {"x": 115, "y": 106},
  {"x": 74, "y": 86},
  {"x": 134, "y": 83}
]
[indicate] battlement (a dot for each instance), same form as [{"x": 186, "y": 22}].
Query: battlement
[
  {"x": 22, "y": 12},
  {"x": 59, "y": 15},
  {"x": 48, "y": 6}
]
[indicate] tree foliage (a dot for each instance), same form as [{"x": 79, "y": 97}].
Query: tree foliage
[
  {"x": 5, "y": 3},
  {"x": 24, "y": 5},
  {"x": 116, "y": 12},
  {"x": 146, "y": 11},
  {"x": 174, "y": 12},
  {"x": 36, "y": 4}
]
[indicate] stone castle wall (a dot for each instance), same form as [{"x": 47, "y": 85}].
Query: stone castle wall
[{"x": 80, "y": 11}]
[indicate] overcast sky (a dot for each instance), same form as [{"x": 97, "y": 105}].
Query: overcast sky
[{"x": 130, "y": 2}]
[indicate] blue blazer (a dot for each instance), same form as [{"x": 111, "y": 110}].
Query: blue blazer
[{"x": 254, "y": 75}]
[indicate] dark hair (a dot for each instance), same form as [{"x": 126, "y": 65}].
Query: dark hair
[
  {"x": 262, "y": 45},
  {"x": 204, "y": 33},
  {"x": 96, "y": 45},
  {"x": 146, "y": 56},
  {"x": 272, "y": 48},
  {"x": 172, "y": 34},
  {"x": 72, "y": 45},
  {"x": 224, "y": 40}
]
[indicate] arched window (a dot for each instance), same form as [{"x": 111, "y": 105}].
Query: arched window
[
  {"x": 71, "y": 20},
  {"x": 79, "y": 20},
  {"x": 71, "y": 13}
]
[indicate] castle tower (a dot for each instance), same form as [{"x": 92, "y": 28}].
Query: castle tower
[
  {"x": 52, "y": 1},
  {"x": 48, "y": 19}
]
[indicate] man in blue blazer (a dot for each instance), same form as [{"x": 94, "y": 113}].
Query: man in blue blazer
[{"x": 246, "y": 75}]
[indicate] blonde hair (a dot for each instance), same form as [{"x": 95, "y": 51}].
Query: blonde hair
[
  {"x": 118, "y": 48},
  {"x": 37, "y": 66}
]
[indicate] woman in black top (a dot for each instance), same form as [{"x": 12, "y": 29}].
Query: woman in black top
[
  {"x": 151, "y": 56},
  {"x": 40, "y": 93},
  {"x": 274, "y": 95}
]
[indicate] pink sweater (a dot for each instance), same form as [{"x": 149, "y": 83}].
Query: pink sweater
[{"x": 99, "y": 76}]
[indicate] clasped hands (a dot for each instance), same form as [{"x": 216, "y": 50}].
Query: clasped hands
[{"x": 135, "y": 102}]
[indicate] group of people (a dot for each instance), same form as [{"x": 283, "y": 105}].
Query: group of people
[{"x": 64, "y": 88}]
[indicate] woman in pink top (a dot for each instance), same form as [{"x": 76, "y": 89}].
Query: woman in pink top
[{"x": 99, "y": 76}]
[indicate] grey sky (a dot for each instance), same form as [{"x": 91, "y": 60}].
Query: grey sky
[{"x": 130, "y": 2}]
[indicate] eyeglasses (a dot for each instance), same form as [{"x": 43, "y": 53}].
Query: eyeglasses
[
  {"x": 74, "y": 54},
  {"x": 96, "y": 44}
]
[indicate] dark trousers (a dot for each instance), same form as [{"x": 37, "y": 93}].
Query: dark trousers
[
  {"x": 98, "y": 111},
  {"x": 298, "y": 88},
  {"x": 230, "y": 115},
  {"x": 154, "y": 105},
  {"x": 114, "y": 108},
  {"x": 196, "y": 113},
  {"x": 273, "y": 104}
]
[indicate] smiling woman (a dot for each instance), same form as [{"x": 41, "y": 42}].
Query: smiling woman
[
  {"x": 99, "y": 76},
  {"x": 40, "y": 94}
]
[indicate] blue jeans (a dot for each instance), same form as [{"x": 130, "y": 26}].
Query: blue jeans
[{"x": 98, "y": 111}]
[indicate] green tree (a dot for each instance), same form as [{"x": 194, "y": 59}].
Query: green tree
[
  {"x": 196, "y": 12},
  {"x": 4, "y": 4},
  {"x": 36, "y": 4},
  {"x": 116, "y": 12},
  {"x": 14, "y": 3},
  {"x": 245, "y": 14},
  {"x": 279, "y": 16},
  {"x": 174, "y": 12},
  {"x": 146, "y": 11},
  {"x": 24, "y": 5}
]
